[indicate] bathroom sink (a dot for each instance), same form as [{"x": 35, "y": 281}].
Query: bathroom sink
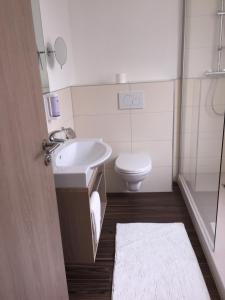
[{"x": 73, "y": 162}]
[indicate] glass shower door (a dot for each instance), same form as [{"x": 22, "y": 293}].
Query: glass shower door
[{"x": 203, "y": 106}]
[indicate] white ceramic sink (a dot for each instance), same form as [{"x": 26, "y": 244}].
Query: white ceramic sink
[{"x": 74, "y": 160}]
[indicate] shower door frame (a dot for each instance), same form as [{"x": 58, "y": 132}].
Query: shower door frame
[{"x": 207, "y": 244}]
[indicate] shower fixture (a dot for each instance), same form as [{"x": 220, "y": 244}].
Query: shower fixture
[
  {"x": 210, "y": 97},
  {"x": 220, "y": 70}
]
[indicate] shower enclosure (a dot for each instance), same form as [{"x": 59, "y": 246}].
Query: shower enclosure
[{"x": 202, "y": 110}]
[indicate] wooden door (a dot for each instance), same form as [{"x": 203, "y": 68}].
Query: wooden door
[{"x": 31, "y": 257}]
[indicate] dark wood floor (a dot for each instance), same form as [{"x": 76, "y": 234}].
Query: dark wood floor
[{"x": 95, "y": 281}]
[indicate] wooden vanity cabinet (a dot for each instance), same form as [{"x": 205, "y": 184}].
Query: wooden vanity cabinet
[{"x": 79, "y": 244}]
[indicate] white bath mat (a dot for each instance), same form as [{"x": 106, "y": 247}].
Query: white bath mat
[{"x": 156, "y": 262}]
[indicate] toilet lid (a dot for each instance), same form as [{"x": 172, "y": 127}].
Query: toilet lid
[{"x": 133, "y": 163}]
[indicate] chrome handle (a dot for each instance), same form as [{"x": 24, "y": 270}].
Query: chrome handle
[
  {"x": 49, "y": 148},
  {"x": 47, "y": 159}
]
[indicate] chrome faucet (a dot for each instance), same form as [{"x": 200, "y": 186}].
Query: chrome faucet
[
  {"x": 69, "y": 134},
  {"x": 52, "y": 137},
  {"x": 50, "y": 145}
]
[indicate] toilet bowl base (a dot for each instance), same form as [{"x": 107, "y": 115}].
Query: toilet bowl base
[{"x": 133, "y": 186}]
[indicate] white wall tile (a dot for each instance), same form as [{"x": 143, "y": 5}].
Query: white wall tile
[
  {"x": 117, "y": 148},
  {"x": 158, "y": 96},
  {"x": 208, "y": 164},
  {"x": 196, "y": 34},
  {"x": 109, "y": 127},
  {"x": 189, "y": 143},
  {"x": 212, "y": 92},
  {"x": 66, "y": 103},
  {"x": 201, "y": 37},
  {"x": 58, "y": 124},
  {"x": 159, "y": 151},
  {"x": 150, "y": 129},
  {"x": 207, "y": 182},
  {"x": 190, "y": 119},
  {"x": 209, "y": 135},
  {"x": 101, "y": 99},
  {"x": 197, "y": 61},
  {"x": 152, "y": 126},
  {"x": 209, "y": 122},
  {"x": 159, "y": 180},
  {"x": 191, "y": 92},
  {"x": 201, "y": 7},
  {"x": 209, "y": 147},
  {"x": 188, "y": 170}
]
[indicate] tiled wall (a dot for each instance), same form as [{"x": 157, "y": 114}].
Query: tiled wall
[
  {"x": 202, "y": 117},
  {"x": 66, "y": 118},
  {"x": 203, "y": 97},
  {"x": 201, "y": 37},
  {"x": 96, "y": 114}
]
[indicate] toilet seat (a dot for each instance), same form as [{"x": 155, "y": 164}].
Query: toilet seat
[{"x": 133, "y": 163}]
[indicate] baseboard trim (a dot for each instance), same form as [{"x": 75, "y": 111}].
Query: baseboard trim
[{"x": 202, "y": 233}]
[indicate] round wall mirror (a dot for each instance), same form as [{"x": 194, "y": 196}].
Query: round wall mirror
[{"x": 60, "y": 51}]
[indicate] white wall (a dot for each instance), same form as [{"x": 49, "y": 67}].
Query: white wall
[
  {"x": 40, "y": 44},
  {"x": 138, "y": 37},
  {"x": 142, "y": 39},
  {"x": 105, "y": 42},
  {"x": 96, "y": 114},
  {"x": 56, "y": 22}
]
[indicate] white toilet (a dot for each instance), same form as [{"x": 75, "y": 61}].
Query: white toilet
[{"x": 133, "y": 169}]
